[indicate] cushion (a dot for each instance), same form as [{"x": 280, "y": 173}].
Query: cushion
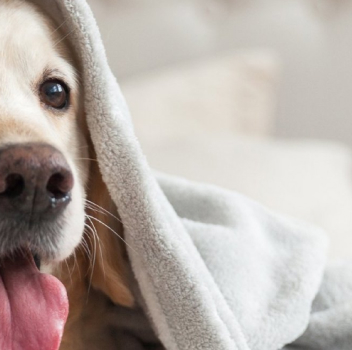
[{"x": 234, "y": 92}]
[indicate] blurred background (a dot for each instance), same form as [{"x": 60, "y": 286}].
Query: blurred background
[{"x": 251, "y": 95}]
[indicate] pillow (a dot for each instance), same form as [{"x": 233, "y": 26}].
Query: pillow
[{"x": 232, "y": 93}]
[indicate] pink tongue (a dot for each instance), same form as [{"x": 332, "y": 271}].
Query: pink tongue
[{"x": 33, "y": 307}]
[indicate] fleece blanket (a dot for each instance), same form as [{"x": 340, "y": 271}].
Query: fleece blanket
[{"x": 215, "y": 270}]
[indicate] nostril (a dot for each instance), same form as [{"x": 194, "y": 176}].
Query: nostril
[
  {"x": 59, "y": 185},
  {"x": 14, "y": 185},
  {"x": 35, "y": 182}
]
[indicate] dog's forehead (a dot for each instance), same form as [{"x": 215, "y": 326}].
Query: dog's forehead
[
  {"x": 31, "y": 51},
  {"x": 27, "y": 42},
  {"x": 30, "y": 45}
]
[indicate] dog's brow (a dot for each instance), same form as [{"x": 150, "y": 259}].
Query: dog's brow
[{"x": 50, "y": 72}]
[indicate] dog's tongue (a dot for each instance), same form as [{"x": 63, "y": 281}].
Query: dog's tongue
[{"x": 33, "y": 307}]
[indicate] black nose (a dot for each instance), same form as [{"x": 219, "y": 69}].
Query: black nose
[{"x": 35, "y": 181}]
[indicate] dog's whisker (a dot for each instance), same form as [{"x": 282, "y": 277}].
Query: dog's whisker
[
  {"x": 76, "y": 265},
  {"x": 85, "y": 247},
  {"x": 101, "y": 253},
  {"x": 95, "y": 210},
  {"x": 69, "y": 271},
  {"x": 55, "y": 30},
  {"x": 103, "y": 211},
  {"x": 94, "y": 235},
  {"x": 63, "y": 38},
  {"x": 91, "y": 253},
  {"x": 113, "y": 231},
  {"x": 100, "y": 243}
]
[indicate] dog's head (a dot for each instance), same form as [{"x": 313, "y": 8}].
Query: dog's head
[
  {"x": 48, "y": 167},
  {"x": 43, "y": 153}
]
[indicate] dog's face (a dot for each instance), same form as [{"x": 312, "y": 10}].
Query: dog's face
[
  {"x": 44, "y": 170},
  {"x": 43, "y": 158}
]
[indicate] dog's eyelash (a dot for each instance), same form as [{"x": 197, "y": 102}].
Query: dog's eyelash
[{"x": 52, "y": 73}]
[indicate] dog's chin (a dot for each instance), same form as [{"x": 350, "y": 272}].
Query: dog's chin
[{"x": 48, "y": 241}]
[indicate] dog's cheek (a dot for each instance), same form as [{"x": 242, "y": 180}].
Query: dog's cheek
[{"x": 73, "y": 227}]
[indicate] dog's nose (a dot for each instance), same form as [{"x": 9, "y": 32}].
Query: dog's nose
[{"x": 35, "y": 181}]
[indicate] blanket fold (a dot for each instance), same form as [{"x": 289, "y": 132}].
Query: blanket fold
[{"x": 216, "y": 271}]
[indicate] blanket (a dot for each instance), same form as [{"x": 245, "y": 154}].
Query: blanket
[{"x": 215, "y": 270}]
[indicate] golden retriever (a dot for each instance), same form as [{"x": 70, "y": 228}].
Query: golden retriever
[{"x": 67, "y": 216}]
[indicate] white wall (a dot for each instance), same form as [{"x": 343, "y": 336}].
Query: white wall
[{"x": 315, "y": 97}]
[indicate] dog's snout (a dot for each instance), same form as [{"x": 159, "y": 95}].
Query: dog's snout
[{"x": 35, "y": 179}]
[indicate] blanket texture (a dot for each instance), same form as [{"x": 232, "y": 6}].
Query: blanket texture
[{"x": 215, "y": 270}]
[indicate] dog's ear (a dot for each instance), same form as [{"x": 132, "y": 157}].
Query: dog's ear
[{"x": 108, "y": 268}]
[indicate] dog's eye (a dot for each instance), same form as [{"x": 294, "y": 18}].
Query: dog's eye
[{"x": 54, "y": 93}]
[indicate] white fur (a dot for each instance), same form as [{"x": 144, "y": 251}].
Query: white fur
[{"x": 34, "y": 46}]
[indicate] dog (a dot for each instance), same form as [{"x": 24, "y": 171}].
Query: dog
[{"x": 54, "y": 204}]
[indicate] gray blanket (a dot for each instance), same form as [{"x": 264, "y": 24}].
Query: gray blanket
[{"x": 216, "y": 271}]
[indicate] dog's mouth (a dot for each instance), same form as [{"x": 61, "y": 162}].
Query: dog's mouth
[{"x": 33, "y": 305}]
